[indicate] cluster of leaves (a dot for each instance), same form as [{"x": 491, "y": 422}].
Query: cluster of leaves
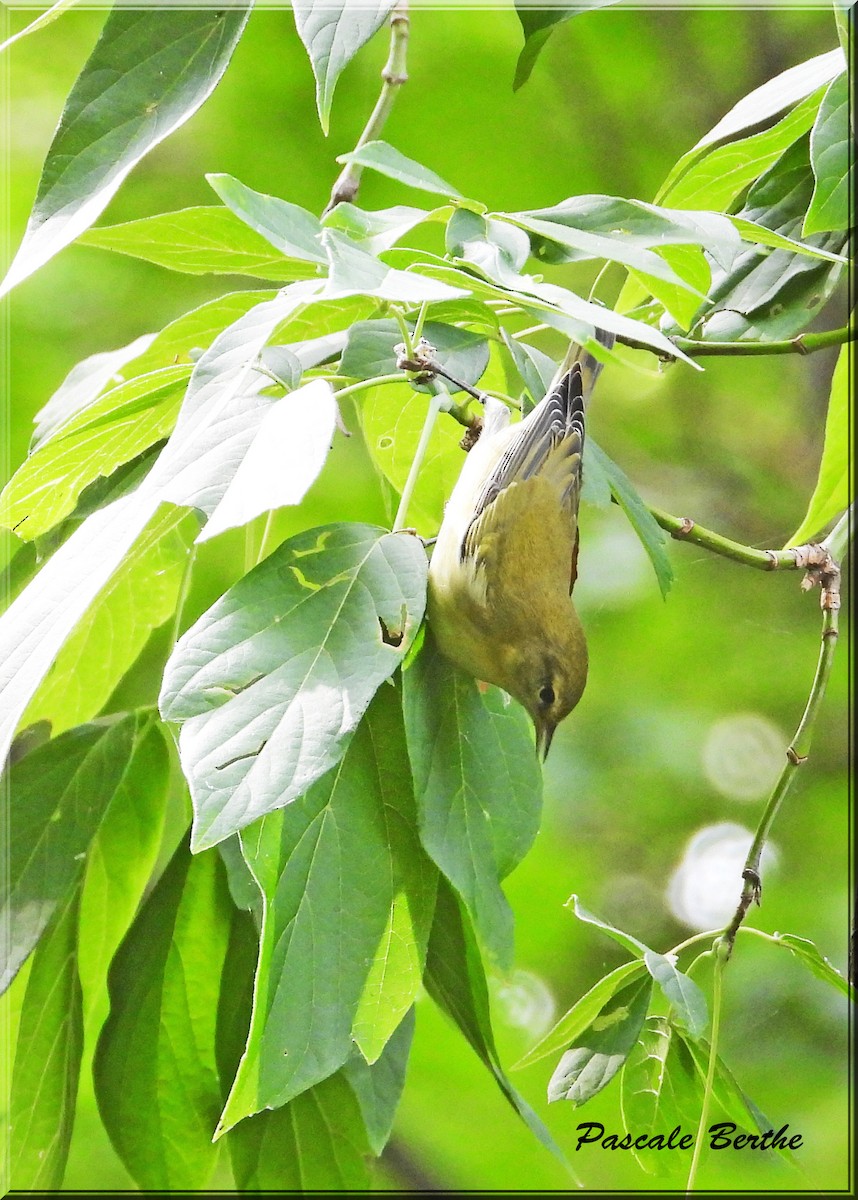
[{"x": 356, "y": 803}]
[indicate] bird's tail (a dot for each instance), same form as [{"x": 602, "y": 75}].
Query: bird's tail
[{"x": 590, "y": 365}]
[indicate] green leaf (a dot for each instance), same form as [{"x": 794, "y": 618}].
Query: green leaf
[
  {"x": 155, "y": 1073},
  {"x": 722, "y": 173},
  {"x": 477, "y": 784},
  {"x": 593, "y": 245},
  {"x": 139, "y": 597},
  {"x": 119, "y": 865},
  {"x": 392, "y": 419},
  {"x": 832, "y": 150},
  {"x": 333, "y": 31},
  {"x": 83, "y": 384},
  {"x": 292, "y": 230},
  {"x": 109, "y": 432},
  {"x": 270, "y": 682},
  {"x": 207, "y": 240},
  {"x": 582, "y": 1014},
  {"x": 149, "y": 72},
  {"x": 734, "y": 1102},
  {"x": 216, "y": 422},
  {"x": 59, "y": 794},
  {"x": 316, "y": 1143},
  {"x": 284, "y": 459},
  {"x": 686, "y": 999},
  {"x": 381, "y": 229},
  {"x": 386, "y": 160},
  {"x": 775, "y": 95},
  {"x": 632, "y": 225},
  {"x": 653, "y": 539},
  {"x": 537, "y": 24},
  {"x": 597, "y": 1054},
  {"x": 47, "y": 1059},
  {"x": 639, "y": 949},
  {"x": 814, "y": 961},
  {"x": 773, "y": 295},
  {"x": 310, "y": 862},
  {"x": 370, "y": 351},
  {"x": 661, "y": 1089},
  {"x": 43, "y": 19},
  {"x": 752, "y": 231},
  {"x": 354, "y": 272},
  {"x": 680, "y": 303},
  {"x": 535, "y": 368},
  {"x": 831, "y": 494},
  {"x": 456, "y": 981},
  {"x": 378, "y": 1086}
]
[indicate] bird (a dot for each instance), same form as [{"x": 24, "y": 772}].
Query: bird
[{"x": 505, "y": 560}]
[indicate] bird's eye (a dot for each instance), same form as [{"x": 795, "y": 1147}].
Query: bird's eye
[{"x": 546, "y": 695}]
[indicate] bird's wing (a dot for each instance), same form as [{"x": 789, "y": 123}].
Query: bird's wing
[{"x": 550, "y": 445}]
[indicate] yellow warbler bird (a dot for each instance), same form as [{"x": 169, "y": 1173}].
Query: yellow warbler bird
[{"x": 505, "y": 560}]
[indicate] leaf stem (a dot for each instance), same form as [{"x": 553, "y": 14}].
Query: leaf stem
[
  {"x": 710, "y": 1071},
  {"x": 438, "y": 401},
  {"x": 393, "y": 75},
  {"x": 374, "y": 381}
]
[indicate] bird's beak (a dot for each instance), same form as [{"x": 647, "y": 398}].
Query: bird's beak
[{"x": 544, "y": 734}]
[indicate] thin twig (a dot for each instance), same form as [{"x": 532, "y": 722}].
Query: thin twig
[
  {"x": 710, "y": 1071},
  {"x": 797, "y": 754},
  {"x": 393, "y": 75}
]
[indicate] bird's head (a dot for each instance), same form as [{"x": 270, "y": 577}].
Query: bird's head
[{"x": 548, "y": 681}]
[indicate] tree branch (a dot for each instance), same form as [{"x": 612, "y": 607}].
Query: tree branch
[
  {"x": 393, "y": 76},
  {"x": 812, "y": 557},
  {"x": 804, "y": 343}
]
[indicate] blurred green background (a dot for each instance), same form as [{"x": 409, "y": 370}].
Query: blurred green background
[{"x": 690, "y": 701}]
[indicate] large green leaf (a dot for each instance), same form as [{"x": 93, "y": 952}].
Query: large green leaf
[
  {"x": 150, "y": 70},
  {"x": 272, "y": 680},
  {"x": 333, "y": 31},
  {"x": 113, "y": 430},
  {"x": 285, "y": 457},
  {"x": 315, "y": 1143},
  {"x": 59, "y": 794},
  {"x": 776, "y": 94},
  {"x": 379, "y": 1085},
  {"x": 200, "y": 241},
  {"x": 119, "y": 864},
  {"x": 392, "y": 419},
  {"x": 456, "y": 981},
  {"x": 773, "y": 295},
  {"x": 661, "y": 1090},
  {"x": 331, "y": 868},
  {"x": 831, "y": 494},
  {"x": 218, "y": 418},
  {"x": 478, "y": 787},
  {"x": 47, "y": 1059},
  {"x": 597, "y": 1054},
  {"x": 138, "y": 598},
  {"x": 381, "y": 229},
  {"x": 717, "y": 178},
  {"x": 155, "y": 1071},
  {"x": 832, "y": 154}
]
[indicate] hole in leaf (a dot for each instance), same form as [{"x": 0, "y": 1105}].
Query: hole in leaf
[{"x": 391, "y": 637}]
